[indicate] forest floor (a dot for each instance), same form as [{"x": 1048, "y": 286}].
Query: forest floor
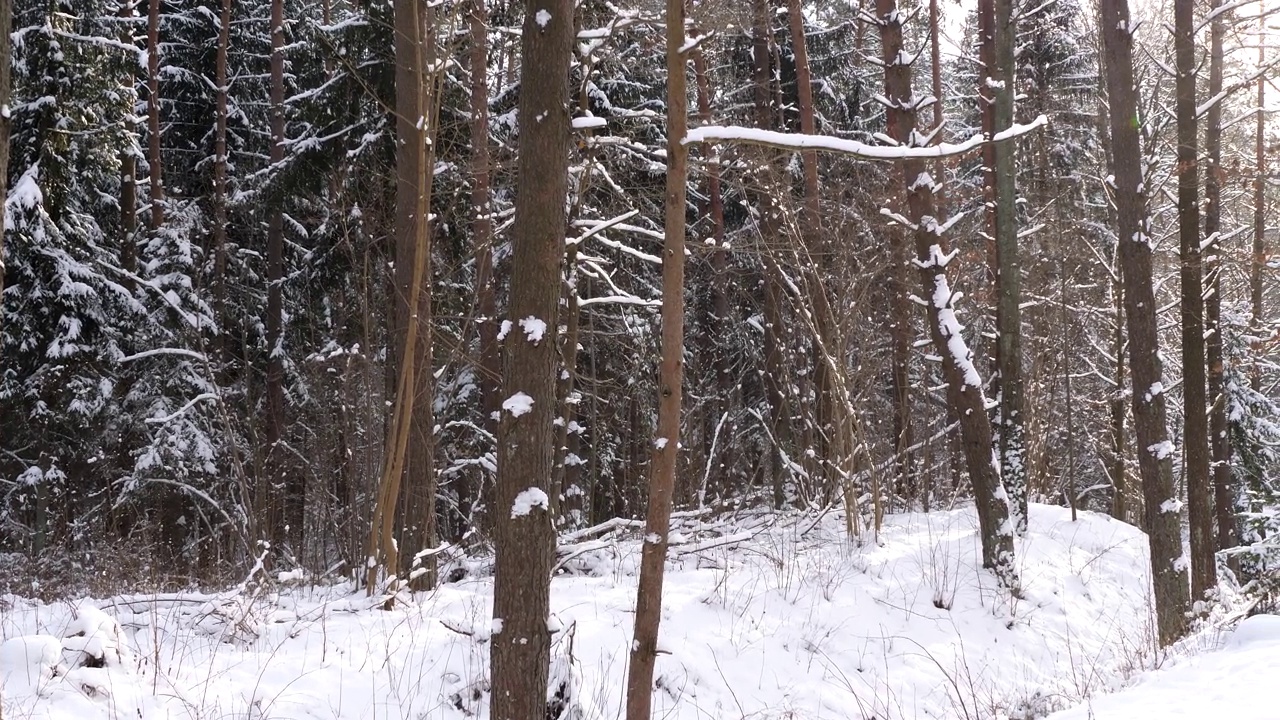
[{"x": 764, "y": 617}]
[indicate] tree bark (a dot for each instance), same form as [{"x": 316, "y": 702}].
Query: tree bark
[
  {"x": 1258, "y": 266},
  {"x": 292, "y": 492},
  {"x": 765, "y": 119},
  {"x": 644, "y": 647},
  {"x": 408, "y": 458},
  {"x": 997, "y": 28},
  {"x": 1196, "y": 427},
  {"x": 220, "y": 179},
  {"x": 155, "y": 171},
  {"x": 525, "y": 538},
  {"x": 719, "y": 347},
  {"x": 6, "y": 93},
  {"x": 1168, "y": 567},
  {"x": 964, "y": 386},
  {"x": 490, "y": 370},
  {"x": 413, "y": 249},
  {"x": 128, "y": 160},
  {"x": 1219, "y": 442}
]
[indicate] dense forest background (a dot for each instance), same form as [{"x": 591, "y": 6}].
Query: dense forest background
[{"x": 208, "y": 272}]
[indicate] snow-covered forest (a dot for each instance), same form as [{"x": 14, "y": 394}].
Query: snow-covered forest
[{"x": 590, "y": 359}]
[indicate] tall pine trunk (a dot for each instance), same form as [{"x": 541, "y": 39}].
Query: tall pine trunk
[
  {"x": 964, "y": 386},
  {"x": 525, "y": 537},
  {"x": 724, "y": 401},
  {"x": 415, "y": 130},
  {"x": 1196, "y": 427},
  {"x": 1258, "y": 266},
  {"x": 6, "y": 22},
  {"x": 1219, "y": 441},
  {"x": 490, "y": 370},
  {"x": 128, "y": 159},
  {"x": 765, "y": 119},
  {"x": 997, "y": 28},
  {"x": 1168, "y": 567},
  {"x": 285, "y": 496},
  {"x": 220, "y": 181},
  {"x": 666, "y": 446},
  {"x": 155, "y": 170}
]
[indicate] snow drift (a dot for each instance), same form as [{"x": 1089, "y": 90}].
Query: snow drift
[{"x": 795, "y": 622}]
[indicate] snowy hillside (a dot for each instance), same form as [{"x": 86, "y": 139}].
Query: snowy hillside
[
  {"x": 1237, "y": 681},
  {"x": 793, "y": 623}
]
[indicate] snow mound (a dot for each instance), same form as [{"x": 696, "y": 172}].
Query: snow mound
[
  {"x": 28, "y": 662},
  {"x": 95, "y": 639},
  {"x": 1256, "y": 630},
  {"x": 1237, "y": 681},
  {"x": 764, "y": 617}
]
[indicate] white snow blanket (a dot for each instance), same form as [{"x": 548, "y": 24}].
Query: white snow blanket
[{"x": 792, "y": 621}]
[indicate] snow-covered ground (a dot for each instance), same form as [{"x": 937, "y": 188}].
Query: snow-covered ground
[
  {"x": 794, "y": 622},
  {"x": 1238, "y": 681}
]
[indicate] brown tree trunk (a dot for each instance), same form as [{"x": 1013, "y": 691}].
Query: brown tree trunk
[
  {"x": 997, "y": 27},
  {"x": 416, "y": 124},
  {"x": 490, "y": 370},
  {"x": 1116, "y": 461},
  {"x": 1119, "y": 476},
  {"x": 408, "y": 458},
  {"x": 1168, "y": 568},
  {"x": 6, "y": 93},
  {"x": 155, "y": 170},
  {"x": 721, "y": 313},
  {"x": 964, "y": 386},
  {"x": 1258, "y": 266},
  {"x": 220, "y": 180},
  {"x": 565, "y": 401},
  {"x": 644, "y": 647},
  {"x": 1196, "y": 427},
  {"x": 128, "y": 161},
  {"x": 289, "y": 524},
  {"x": 764, "y": 116},
  {"x": 831, "y": 426},
  {"x": 1219, "y": 442},
  {"x": 525, "y": 538}
]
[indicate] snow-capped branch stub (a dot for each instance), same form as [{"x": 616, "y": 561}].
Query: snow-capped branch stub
[{"x": 897, "y": 218}]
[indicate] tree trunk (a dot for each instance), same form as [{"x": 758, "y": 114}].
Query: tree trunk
[
  {"x": 416, "y": 126},
  {"x": 964, "y": 386},
  {"x": 220, "y": 181},
  {"x": 525, "y": 538},
  {"x": 1168, "y": 567},
  {"x": 764, "y": 116},
  {"x": 1119, "y": 475},
  {"x": 290, "y": 491},
  {"x": 1219, "y": 442},
  {"x": 490, "y": 370},
  {"x": 1196, "y": 427},
  {"x": 724, "y": 401},
  {"x": 644, "y": 648},
  {"x": 128, "y": 160},
  {"x": 6, "y": 100},
  {"x": 155, "y": 170},
  {"x": 565, "y": 402},
  {"x": 409, "y": 440},
  {"x": 1258, "y": 266},
  {"x": 997, "y": 29}
]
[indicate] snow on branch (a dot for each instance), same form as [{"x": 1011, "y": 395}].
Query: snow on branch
[
  {"x": 798, "y": 141},
  {"x": 600, "y": 227},
  {"x": 1220, "y": 11},
  {"x": 177, "y": 413},
  {"x": 1246, "y": 82},
  {"x": 618, "y": 300},
  {"x": 162, "y": 351}
]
